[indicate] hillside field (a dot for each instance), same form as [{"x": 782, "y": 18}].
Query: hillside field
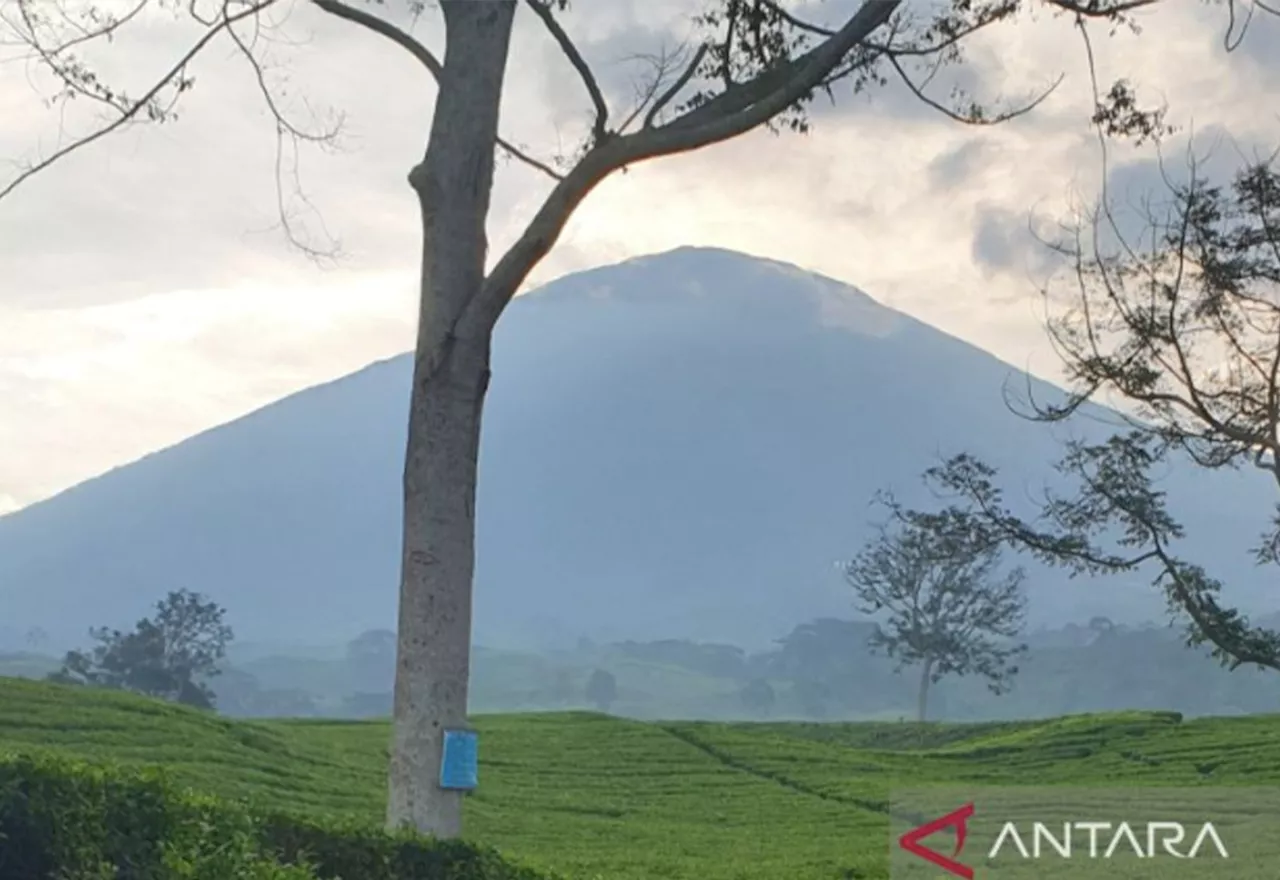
[{"x": 589, "y": 796}]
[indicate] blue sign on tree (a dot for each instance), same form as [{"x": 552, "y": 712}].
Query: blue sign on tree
[{"x": 458, "y": 760}]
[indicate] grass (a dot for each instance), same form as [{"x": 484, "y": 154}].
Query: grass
[{"x": 588, "y": 796}]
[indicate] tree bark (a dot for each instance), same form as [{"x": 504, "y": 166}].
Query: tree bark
[
  {"x": 451, "y": 375},
  {"x": 922, "y": 700}
]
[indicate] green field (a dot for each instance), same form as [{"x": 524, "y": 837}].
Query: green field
[{"x": 588, "y": 796}]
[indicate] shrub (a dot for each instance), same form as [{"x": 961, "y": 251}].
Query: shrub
[{"x": 68, "y": 820}]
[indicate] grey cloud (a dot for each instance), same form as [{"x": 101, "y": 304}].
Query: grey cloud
[
  {"x": 954, "y": 167},
  {"x": 1005, "y": 241}
]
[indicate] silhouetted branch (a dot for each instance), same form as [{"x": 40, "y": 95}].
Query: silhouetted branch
[
  {"x": 681, "y": 81},
  {"x": 383, "y": 28},
  {"x": 598, "y": 126},
  {"x": 74, "y": 77}
]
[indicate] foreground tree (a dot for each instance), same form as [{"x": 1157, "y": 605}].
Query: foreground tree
[
  {"x": 933, "y": 580},
  {"x": 1183, "y": 326},
  {"x": 752, "y": 63},
  {"x": 170, "y": 656}
]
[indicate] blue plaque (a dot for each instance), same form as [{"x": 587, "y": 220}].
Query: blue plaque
[{"x": 458, "y": 760}]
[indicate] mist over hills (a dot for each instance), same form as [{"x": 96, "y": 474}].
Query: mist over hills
[{"x": 679, "y": 446}]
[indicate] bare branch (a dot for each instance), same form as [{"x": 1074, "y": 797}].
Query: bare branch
[
  {"x": 543, "y": 10},
  {"x": 537, "y": 165},
  {"x": 295, "y": 135},
  {"x": 428, "y": 60},
  {"x": 738, "y": 110},
  {"x": 974, "y": 116},
  {"x": 646, "y": 92},
  {"x": 384, "y": 28},
  {"x": 130, "y": 113},
  {"x": 681, "y": 81}
]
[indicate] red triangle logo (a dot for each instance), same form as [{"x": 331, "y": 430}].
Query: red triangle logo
[{"x": 957, "y": 819}]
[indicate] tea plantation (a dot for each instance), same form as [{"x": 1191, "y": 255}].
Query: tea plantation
[{"x": 589, "y": 796}]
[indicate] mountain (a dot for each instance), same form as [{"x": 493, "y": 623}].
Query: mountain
[{"x": 682, "y": 445}]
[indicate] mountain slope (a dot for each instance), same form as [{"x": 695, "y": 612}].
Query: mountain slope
[{"x": 678, "y": 446}]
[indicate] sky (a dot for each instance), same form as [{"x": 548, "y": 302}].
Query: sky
[{"x": 147, "y": 292}]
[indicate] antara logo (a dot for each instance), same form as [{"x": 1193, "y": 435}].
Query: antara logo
[
  {"x": 1105, "y": 839},
  {"x": 957, "y": 819}
]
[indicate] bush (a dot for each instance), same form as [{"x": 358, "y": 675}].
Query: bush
[{"x": 67, "y": 820}]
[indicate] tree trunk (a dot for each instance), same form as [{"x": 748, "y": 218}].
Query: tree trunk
[
  {"x": 451, "y": 374},
  {"x": 922, "y": 700}
]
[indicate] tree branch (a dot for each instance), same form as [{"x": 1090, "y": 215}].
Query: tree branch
[
  {"x": 973, "y": 117},
  {"x": 130, "y": 113},
  {"x": 681, "y": 81},
  {"x": 286, "y": 130},
  {"x": 734, "y": 112},
  {"x": 384, "y": 28},
  {"x": 429, "y": 61},
  {"x": 543, "y": 11},
  {"x": 743, "y": 107}
]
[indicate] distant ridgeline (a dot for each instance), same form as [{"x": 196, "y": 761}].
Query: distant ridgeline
[{"x": 821, "y": 671}]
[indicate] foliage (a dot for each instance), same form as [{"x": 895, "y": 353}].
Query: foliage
[
  {"x": 934, "y": 578},
  {"x": 589, "y": 796},
  {"x": 168, "y": 657},
  {"x": 65, "y": 818},
  {"x": 1182, "y": 326},
  {"x": 602, "y": 689}
]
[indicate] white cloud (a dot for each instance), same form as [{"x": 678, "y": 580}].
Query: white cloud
[{"x": 145, "y": 296}]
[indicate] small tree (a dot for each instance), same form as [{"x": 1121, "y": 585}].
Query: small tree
[
  {"x": 934, "y": 576},
  {"x": 602, "y": 689},
  {"x": 167, "y": 657},
  {"x": 757, "y": 696}
]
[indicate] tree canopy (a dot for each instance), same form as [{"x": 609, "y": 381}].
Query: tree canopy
[
  {"x": 1181, "y": 326},
  {"x": 933, "y": 582},
  {"x": 171, "y": 655}
]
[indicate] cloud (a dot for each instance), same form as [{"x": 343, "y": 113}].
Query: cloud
[{"x": 146, "y": 295}]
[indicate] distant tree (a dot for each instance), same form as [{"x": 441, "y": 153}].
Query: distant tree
[
  {"x": 602, "y": 689},
  {"x": 831, "y": 668},
  {"x": 757, "y": 696},
  {"x": 934, "y": 577},
  {"x": 1179, "y": 326},
  {"x": 169, "y": 656}
]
